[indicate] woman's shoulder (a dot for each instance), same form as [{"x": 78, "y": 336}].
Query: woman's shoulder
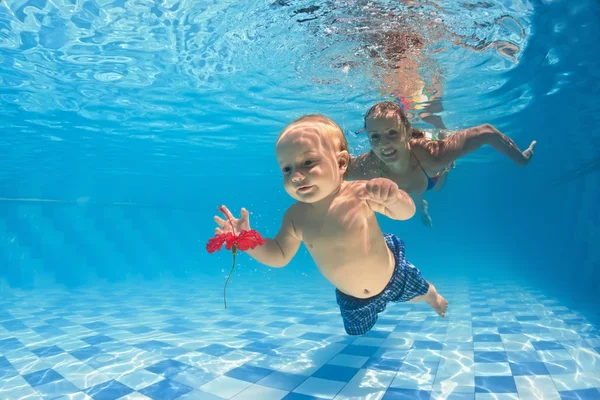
[{"x": 362, "y": 166}]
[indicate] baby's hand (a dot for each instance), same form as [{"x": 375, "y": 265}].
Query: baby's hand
[
  {"x": 382, "y": 191},
  {"x": 231, "y": 223},
  {"x": 528, "y": 154}
]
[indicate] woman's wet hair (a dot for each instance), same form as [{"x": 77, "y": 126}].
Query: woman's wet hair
[{"x": 387, "y": 109}]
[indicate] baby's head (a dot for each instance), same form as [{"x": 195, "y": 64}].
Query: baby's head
[
  {"x": 388, "y": 130},
  {"x": 312, "y": 153}
]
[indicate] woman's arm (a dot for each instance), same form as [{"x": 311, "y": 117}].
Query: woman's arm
[{"x": 436, "y": 155}]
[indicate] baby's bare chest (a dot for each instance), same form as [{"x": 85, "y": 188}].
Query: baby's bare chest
[{"x": 336, "y": 230}]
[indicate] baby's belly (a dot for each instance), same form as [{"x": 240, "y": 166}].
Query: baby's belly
[{"x": 359, "y": 276}]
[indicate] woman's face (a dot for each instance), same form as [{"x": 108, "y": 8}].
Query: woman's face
[{"x": 388, "y": 138}]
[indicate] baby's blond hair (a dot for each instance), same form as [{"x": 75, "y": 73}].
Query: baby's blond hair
[{"x": 325, "y": 125}]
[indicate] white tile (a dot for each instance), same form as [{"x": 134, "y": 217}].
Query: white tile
[
  {"x": 493, "y": 369},
  {"x": 199, "y": 395},
  {"x": 224, "y": 386},
  {"x": 140, "y": 379},
  {"x": 555, "y": 355},
  {"x": 496, "y": 396},
  {"x": 135, "y": 396},
  {"x": 320, "y": 387},
  {"x": 83, "y": 396},
  {"x": 575, "y": 381},
  {"x": 488, "y": 346},
  {"x": 588, "y": 359},
  {"x": 82, "y": 375},
  {"x": 536, "y": 387},
  {"x": 412, "y": 380},
  {"x": 260, "y": 392}
]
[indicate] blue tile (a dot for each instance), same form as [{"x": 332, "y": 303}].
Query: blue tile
[
  {"x": 60, "y": 322},
  {"x": 14, "y": 325},
  {"x": 249, "y": 373},
  {"x": 559, "y": 367},
  {"x": 495, "y": 384},
  {"x": 364, "y": 351},
  {"x": 6, "y": 369},
  {"x": 509, "y": 331},
  {"x": 110, "y": 390},
  {"x": 49, "y": 331},
  {"x": 97, "y": 339},
  {"x": 482, "y": 314},
  {"x": 383, "y": 364},
  {"x": 582, "y": 394},
  {"x": 487, "y": 337},
  {"x": 490, "y": 356},
  {"x": 546, "y": 345},
  {"x": 527, "y": 318},
  {"x": 280, "y": 324},
  {"x": 427, "y": 345},
  {"x": 97, "y": 325},
  {"x": 528, "y": 368},
  {"x": 523, "y": 356},
  {"x": 216, "y": 350},
  {"x": 139, "y": 329},
  {"x": 335, "y": 372},
  {"x": 377, "y": 334},
  {"x": 283, "y": 380},
  {"x": 86, "y": 353},
  {"x": 48, "y": 351},
  {"x": 314, "y": 336},
  {"x": 10, "y": 344},
  {"x": 535, "y": 329},
  {"x": 177, "y": 321},
  {"x": 42, "y": 377},
  {"x": 298, "y": 396},
  {"x": 152, "y": 345},
  {"x": 261, "y": 347},
  {"x": 176, "y": 329},
  {"x": 225, "y": 324},
  {"x": 252, "y": 335},
  {"x": 406, "y": 394},
  {"x": 484, "y": 324},
  {"x": 168, "y": 368},
  {"x": 408, "y": 328}
]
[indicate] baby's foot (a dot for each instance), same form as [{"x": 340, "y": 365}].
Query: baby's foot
[{"x": 440, "y": 305}]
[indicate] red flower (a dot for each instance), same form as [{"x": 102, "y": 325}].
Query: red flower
[{"x": 243, "y": 241}]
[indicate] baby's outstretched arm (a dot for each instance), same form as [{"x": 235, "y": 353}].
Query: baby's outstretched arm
[
  {"x": 384, "y": 197},
  {"x": 438, "y": 154},
  {"x": 275, "y": 252}
]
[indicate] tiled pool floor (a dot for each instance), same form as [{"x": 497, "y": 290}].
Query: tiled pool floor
[{"x": 500, "y": 341}]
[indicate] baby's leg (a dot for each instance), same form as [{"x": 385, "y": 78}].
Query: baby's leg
[{"x": 434, "y": 299}]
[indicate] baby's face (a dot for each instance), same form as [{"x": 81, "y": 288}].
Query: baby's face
[
  {"x": 387, "y": 137},
  {"x": 308, "y": 163}
]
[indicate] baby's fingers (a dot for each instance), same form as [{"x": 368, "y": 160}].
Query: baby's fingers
[
  {"x": 226, "y": 212},
  {"x": 218, "y": 231},
  {"x": 244, "y": 214},
  {"x": 220, "y": 221}
]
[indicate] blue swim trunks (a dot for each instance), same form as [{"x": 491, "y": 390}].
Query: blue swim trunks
[{"x": 360, "y": 315}]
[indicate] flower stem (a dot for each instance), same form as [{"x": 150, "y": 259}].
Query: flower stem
[{"x": 233, "y": 252}]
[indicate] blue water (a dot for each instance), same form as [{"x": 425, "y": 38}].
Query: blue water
[{"x": 124, "y": 125}]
